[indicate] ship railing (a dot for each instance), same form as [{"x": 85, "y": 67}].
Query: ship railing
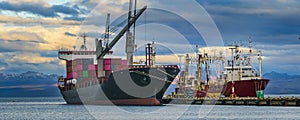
[{"x": 157, "y": 66}]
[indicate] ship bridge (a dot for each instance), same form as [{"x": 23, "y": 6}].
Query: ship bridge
[{"x": 72, "y": 55}]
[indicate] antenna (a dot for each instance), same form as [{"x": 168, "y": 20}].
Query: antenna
[
  {"x": 83, "y": 46},
  {"x": 250, "y": 44}
]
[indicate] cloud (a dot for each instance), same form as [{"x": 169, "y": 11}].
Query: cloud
[
  {"x": 36, "y": 2},
  {"x": 70, "y": 34},
  {"x": 2, "y": 68},
  {"x": 37, "y": 7},
  {"x": 29, "y": 58},
  {"x": 38, "y": 38},
  {"x": 20, "y": 62},
  {"x": 28, "y": 7},
  {"x": 64, "y": 9},
  {"x": 40, "y": 21},
  {"x": 17, "y": 35}
]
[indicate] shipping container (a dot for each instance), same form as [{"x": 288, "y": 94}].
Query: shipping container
[
  {"x": 113, "y": 67},
  {"x": 79, "y": 67},
  {"x": 96, "y": 67},
  {"x": 91, "y": 67},
  {"x": 85, "y": 67},
  {"x": 92, "y": 74},
  {"x": 85, "y": 79},
  {"x": 78, "y": 79},
  {"x": 72, "y": 75},
  {"x": 79, "y": 73},
  {"x": 125, "y": 67},
  {"x": 87, "y": 61},
  {"x": 107, "y": 67},
  {"x": 85, "y": 74},
  {"x": 116, "y": 61},
  {"x": 107, "y": 61},
  {"x": 124, "y": 62},
  {"x": 78, "y": 61}
]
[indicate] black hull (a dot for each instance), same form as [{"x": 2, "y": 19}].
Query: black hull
[{"x": 139, "y": 86}]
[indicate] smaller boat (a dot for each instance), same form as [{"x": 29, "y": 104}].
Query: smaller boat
[{"x": 229, "y": 72}]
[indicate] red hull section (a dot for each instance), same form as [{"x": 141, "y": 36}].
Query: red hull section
[{"x": 244, "y": 88}]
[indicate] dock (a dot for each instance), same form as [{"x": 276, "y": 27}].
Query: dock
[{"x": 281, "y": 101}]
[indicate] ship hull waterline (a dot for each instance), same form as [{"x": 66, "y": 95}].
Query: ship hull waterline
[{"x": 151, "y": 84}]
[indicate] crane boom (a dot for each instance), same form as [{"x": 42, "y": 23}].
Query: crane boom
[{"x": 101, "y": 53}]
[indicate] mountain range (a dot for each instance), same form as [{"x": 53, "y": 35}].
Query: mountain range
[
  {"x": 28, "y": 84},
  {"x": 35, "y": 84},
  {"x": 282, "y": 83}
]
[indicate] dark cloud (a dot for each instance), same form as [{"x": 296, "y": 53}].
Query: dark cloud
[
  {"x": 64, "y": 9},
  {"x": 32, "y": 8},
  {"x": 266, "y": 22},
  {"x": 70, "y": 34},
  {"x": 18, "y": 45},
  {"x": 53, "y": 53},
  {"x": 39, "y": 9},
  {"x": 76, "y": 18}
]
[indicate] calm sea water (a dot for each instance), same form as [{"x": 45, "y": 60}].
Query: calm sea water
[{"x": 56, "y": 108}]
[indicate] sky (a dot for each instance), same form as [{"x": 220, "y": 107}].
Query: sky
[{"x": 32, "y": 31}]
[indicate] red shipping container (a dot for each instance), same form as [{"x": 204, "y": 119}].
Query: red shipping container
[
  {"x": 96, "y": 67},
  {"x": 124, "y": 62},
  {"x": 107, "y": 67},
  {"x": 72, "y": 75},
  {"x": 91, "y": 67},
  {"x": 107, "y": 61},
  {"x": 79, "y": 67}
]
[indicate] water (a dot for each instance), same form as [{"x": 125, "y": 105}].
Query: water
[{"x": 56, "y": 108}]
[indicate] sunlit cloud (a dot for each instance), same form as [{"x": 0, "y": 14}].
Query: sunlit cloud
[
  {"x": 42, "y": 38},
  {"x": 39, "y": 21}
]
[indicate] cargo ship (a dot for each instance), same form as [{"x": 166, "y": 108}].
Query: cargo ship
[
  {"x": 94, "y": 77},
  {"x": 229, "y": 71}
]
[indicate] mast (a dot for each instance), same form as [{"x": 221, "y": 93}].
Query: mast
[
  {"x": 153, "y": 54},
  {"x": 83, "y": 46},
  {"x": 100, "y": 52},
  {"x": 106, "y": 35},
  {"x": 130, "y": 37},
  {"x": 260, "y": 64},
  {"x": 187, "y": 63},
  {"x": 232, "y": 63},
  {"x": 250, "y": 51},
  {"x": 118, "y": 36},
  {"x": 207, "y": 67},
  {"x": 199, "y": 70}
]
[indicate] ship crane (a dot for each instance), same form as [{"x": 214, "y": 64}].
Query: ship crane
[{"x": 101, "y": 52}]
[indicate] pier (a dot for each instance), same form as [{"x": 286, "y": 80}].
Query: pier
[{"x": 281, "y": 101}]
